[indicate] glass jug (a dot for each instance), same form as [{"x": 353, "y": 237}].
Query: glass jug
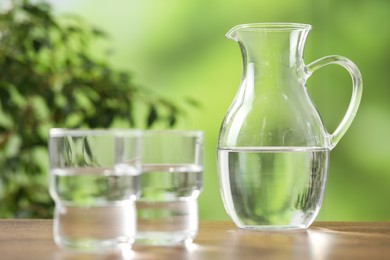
[{"x": 273, "y": 148}]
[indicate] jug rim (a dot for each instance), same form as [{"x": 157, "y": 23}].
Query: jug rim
[{"x": 272, "y": 26}]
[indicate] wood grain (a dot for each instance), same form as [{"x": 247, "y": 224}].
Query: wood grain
[{"x": 32, "y": 239}]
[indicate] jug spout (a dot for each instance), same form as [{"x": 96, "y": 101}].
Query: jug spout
[
  {"x": 271, "y": 45},
  {"x": 232, "y": 33}
]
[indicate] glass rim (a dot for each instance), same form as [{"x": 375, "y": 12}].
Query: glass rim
[
  {"x": 277, "y": 26},
  {"x": 61, "y": 132},
  {"x": 191, "y": 133}
]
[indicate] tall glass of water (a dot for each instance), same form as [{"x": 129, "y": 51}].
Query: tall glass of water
[
  {"x": 94, "y": 180},
  {"x": 171, "y": 180}
]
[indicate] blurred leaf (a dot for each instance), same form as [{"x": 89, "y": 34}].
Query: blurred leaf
[
  {"x": 152, "y": 116},
  {"x": 87, "y": 150},
  {"x": 193, "y": 102},
  {"x": 172, "y": 118}
]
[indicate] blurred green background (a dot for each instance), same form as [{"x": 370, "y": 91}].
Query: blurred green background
[{"x": 178, "y": 49}]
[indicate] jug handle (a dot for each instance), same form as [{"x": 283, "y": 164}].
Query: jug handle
[{"x": 357, "y": 88}]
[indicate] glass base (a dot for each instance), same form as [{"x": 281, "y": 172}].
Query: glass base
[
  {"x": 273, "y": 227},
  {"x": 166, "y": 223},
  {"x": 90, "y": 245},
  {"x": 298, "y": 221},
  {"x": 94, "y": 228},
  {"x": 164, "y": 238}
]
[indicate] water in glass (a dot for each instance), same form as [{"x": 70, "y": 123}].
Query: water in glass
[
  {"x": 167, "y": 211},
  {"x": 94, "y": 207}
]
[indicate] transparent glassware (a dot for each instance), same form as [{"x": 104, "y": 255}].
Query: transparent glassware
[
  {"x": 170, "y": 183},
  {"x": 94, "y": 181},
  {"x": 273, "y": 149}
]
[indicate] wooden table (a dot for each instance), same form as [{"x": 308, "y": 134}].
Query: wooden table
[{"x": 32, "y": 239}]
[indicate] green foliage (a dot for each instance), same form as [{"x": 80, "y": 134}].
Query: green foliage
[{"x": 50, "y": 78}]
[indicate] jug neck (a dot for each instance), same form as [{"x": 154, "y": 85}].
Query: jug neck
[{"x": 270, "y": 48}]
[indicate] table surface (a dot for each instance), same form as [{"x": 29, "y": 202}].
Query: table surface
[{"x": 32, "y": 239}]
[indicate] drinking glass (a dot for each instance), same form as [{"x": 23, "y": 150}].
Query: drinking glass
[
  {"x": 94, "y": 180},
  {"x": 170, "y": 183}
]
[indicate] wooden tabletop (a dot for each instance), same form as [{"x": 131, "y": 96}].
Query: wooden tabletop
[{"x": 32, "y": 239}]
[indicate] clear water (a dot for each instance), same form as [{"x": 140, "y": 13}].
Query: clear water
[
  {"x": 166, "y": 223},
  {"x": 95, "y": 207},
  {"x": 167, "y": 182},
  {"x": 167, "y": 210},
  {"x": 95, "y": 227},
  {"x": 274, "y": 187}
]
